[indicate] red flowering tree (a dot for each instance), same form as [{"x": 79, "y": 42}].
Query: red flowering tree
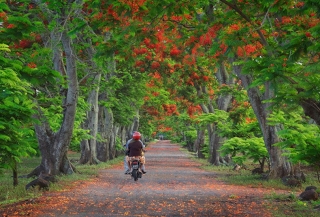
[
  {"x": 266, "y": 56},
  {"x": 236, "y": 41}
]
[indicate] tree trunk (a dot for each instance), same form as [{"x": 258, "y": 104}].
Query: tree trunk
[
  {"x": 106, "y": 147},
  {"x": 279, "y": 165},
  {"x": 123, "y": 134},
  {"x": 136, "y": 122},
  {"x": 89, "y": 147},
  {"x": 223, "y": 102},
  {"x": 105, "y": 130},
  {"x": 15, "y": 173},
  {"x": 311, "y": 108},
  {"x": 54, "y": 146},
  {"x": 112, "y": 144},
  {"x": 216, "y": 142},
  {"x": 198, "y": 144}
]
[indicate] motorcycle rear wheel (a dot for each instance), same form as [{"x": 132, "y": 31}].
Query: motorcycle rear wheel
[{"x": 135, "y": 175}]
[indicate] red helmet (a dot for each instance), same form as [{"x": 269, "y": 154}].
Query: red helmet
[{"x": 136, "y": 136}]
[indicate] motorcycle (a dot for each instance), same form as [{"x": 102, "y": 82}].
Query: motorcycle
[{"x": 136, "y": 173}]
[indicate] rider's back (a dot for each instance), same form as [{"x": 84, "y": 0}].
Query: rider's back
[{"x": 135, "y": 148}]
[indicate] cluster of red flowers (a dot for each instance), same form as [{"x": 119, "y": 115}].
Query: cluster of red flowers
[
  {"x": 194, "y": 76},
  {"x": 206, "y": 39},
  {"x": 155, "y": 65},
  {"x": 194, "y": 109},
  {"x": 235, "y": 27},
  {"x": 190, "y": 82},
  {"x": 3, "y": 15},
  {"x": 112, "y": 13},
  {"x": 300, "y": 4},
  {"x": 140, "y": 51},
  {"x": 176, "y": 18},
  {"x": 152, "y": 111},
  {"x": 139, "y": 63},
  {"x": 23, "y": 44},
  {"x": 150, "y": 83},
  {"x": 250, "y": 120},
  {"x": 205, "y": 78},
  {"x": 5, "y": 24},
  {"x": 249, "y": 49},
  {"x": 221, "y": 51},
  {"x": 156, "y": 75},
  {"x": 10, "y": 26},
  {"x": 175, "y": 51},
  {"x": 32, "y": 65},
  {"x": 286, "y": 20},
  {"x": 170, "y": 109},
  {"x": 189, "y": 60}
]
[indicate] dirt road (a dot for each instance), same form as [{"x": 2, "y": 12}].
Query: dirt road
[{"x": 173, "y": 186}]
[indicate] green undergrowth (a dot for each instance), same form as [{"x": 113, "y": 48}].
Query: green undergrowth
[
  {"x": 280, "y": 204},
  {"x": 283, "y": 205},
  {"x": 10, "y": 194}
]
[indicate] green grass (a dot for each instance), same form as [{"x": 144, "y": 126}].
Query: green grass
[
  {"x": 10, "y": 194},
  {"x": 280, "y": 204},
  {"x": 284, "y": 205}
]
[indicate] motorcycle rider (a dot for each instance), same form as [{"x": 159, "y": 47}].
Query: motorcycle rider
[
  {"x": 135, "y": 149},
  {"x": 126, "y": 166}
]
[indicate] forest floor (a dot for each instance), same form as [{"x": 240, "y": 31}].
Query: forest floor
[{"x": 174, "y": 185}]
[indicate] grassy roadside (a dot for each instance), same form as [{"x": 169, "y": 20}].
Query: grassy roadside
[
  {"x": 281, "y": 205},
  {"x": 10, "y": 194}
]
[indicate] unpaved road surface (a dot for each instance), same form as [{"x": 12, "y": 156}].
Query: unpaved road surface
[{"x": 173, "y": 186}]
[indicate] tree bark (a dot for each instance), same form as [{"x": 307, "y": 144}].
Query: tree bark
[
  {"x": 15, "y": 173},
  {"x": 279, "y": 165},
  {"x": 106, "y": 146},
  {"x": 311, "y": 108},
  {"x": 112, "y": 144},
  {"x": 223, "y": 102},
  {"x": 89, "y": 146},
  {"x": 105, "y": 130},
  {"x": 54, "y": 145},
  {"x": 198, "y": 144}
]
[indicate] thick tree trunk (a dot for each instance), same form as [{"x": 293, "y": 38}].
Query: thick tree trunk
[
  {"x": 105, "y": 130},
  {"x": 106, "y": 127},
  {"x": 213, "y": 152},
  {"x": 217, "y": 141},
  {"x": 123, "y": 134},
  {"x": 86, "y": 154},
  {"x": 136, "y": 122},
  {"x": 279, "y": 165},
  {"x": 198, "y": 144},
  {"x": 222, "y": 104},
  {"x": 311, "y": 108},
  {"x": 112, "y": 144},
  {"x": 89, "y": 147},
  {"x": 54, "y": 146}
]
